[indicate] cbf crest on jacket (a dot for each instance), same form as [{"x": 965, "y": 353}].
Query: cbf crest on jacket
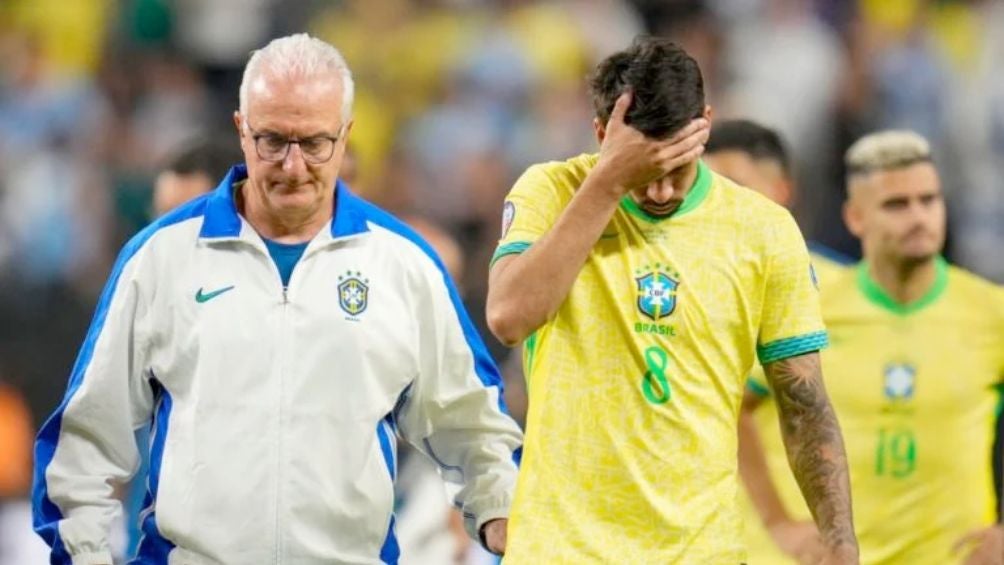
[{"x": 274, "y": 411}]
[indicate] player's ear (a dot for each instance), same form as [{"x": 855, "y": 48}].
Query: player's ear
[
  {"x": 785, "y": 194},
  {"x": 600, "y": 128},
  {"x": 237, "y": 122},
  {"x": 708, "y": 113}
]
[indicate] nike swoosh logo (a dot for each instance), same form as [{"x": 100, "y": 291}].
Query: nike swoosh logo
[
  {"x": 201, "y": 297},
  {"x": 609, "y": 235}
]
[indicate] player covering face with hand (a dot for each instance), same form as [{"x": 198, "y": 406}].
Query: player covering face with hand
[{"x": 645, "y": 287}]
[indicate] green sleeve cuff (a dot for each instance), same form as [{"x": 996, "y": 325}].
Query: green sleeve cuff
[
  {"x": 511, "y": 248},
  {"x": 791, "y": 347},
  {"x": 757, "y": 388}
]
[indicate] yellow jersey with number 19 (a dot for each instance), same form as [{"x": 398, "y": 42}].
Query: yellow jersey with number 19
[
  {"x": 635, "y": 383},
  {"x": 916, "y": 389}
]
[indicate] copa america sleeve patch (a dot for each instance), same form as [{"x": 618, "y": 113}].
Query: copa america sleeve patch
[{"x": 508, "y": 214}]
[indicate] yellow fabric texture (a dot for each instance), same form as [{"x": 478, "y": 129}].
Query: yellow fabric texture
[
  {"x": 758, "y": 543},
  {"x": 635, "y": 383},
  {"x": 915, "y": 390}
]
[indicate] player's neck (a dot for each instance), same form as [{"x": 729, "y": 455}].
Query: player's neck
[{"x": 904, "y": 282}]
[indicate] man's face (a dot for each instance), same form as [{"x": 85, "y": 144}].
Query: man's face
[
  {"x": 296, "y": 108},
  {"x": 173, "y": 189},
  {"x": 765, "y": 176},
  {"x": 664, "y": 195},
  {"x": 898, "y": 214}
]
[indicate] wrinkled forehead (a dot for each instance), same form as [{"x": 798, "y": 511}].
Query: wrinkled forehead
[{"x": 290, "y": 102}]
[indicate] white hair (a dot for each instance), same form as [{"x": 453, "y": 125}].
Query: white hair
[
  {"x": 885, "y": 150},
  {"x": 298, "y": 55}
]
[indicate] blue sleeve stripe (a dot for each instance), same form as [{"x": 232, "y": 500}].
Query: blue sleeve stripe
[
  {"x": 511, "y": 248},
  {"x": 45, "y": 514},
  {"x": 153, "y": 547},
  {"x": 390, "y": 552},
  {"x": 387, "y": 447},
  {"x": 791, "y": 347},
  {"x": 757, "y": 388},
  {"x": 484, "y": 365}
]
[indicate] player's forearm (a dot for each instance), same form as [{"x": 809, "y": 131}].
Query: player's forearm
[
  {"x": 526, "y": 290},
  {"x": 754, "y": 471},
  {"x": 815, "y": 446}
]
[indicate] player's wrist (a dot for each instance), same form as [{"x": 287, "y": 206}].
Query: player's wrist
[
  {"x": 844, "y": 548},
  {"x": 605, "y": 180}
]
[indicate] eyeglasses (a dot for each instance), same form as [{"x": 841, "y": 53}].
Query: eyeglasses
[{"x": 274, "y": 148}]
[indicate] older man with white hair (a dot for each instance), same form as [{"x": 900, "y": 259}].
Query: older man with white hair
[{"x": 276, "y": 335}]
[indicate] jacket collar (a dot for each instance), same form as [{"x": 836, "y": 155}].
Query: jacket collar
[{"x": 222, "y": 221}]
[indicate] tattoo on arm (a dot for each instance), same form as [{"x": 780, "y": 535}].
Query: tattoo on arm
[{"x": 814, "y": 444}]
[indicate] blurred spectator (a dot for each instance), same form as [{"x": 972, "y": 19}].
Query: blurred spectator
[
  {"x": 196, "y": 169},
  {"x": 784, "y": 65},
  {"x": 16, "y": 433},
  {"x": 446, "y": 247},
  {"x": 47, "y": 121},
  {"x": 18, "y": 544}
]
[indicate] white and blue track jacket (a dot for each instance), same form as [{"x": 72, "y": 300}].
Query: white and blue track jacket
[{"x": 274, "y": 413}]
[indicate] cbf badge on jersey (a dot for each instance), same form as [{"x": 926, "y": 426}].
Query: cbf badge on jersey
[
  {"x": 508, "y": 215},
  {"x": 353, "y": 293},
  {"x": 657, "y": 288},
  {"x": 900, "y": 380}
]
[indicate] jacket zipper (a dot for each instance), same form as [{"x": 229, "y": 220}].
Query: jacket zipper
[
  {"x": 279, "y": 446},
  {"x": 283, "y": 363},
  {"x": 282, "y": 355}
]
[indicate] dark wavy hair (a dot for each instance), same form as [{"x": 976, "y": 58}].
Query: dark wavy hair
[
  {"x": 666, "y": 84},
  {"x": 755, "y": 140}
]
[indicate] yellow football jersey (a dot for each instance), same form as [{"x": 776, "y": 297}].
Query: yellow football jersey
[
  {"x": 826, "y": 263},
  {"x": 635, "y": 383},
  {"x": 915, "y": 389},
  {"x": 760, "y": 547}
]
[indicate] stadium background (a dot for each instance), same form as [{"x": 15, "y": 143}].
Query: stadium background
[{"x": 454, "y": 99}]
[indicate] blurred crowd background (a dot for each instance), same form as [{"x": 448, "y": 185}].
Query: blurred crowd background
[{"x": 454, "y": 99}]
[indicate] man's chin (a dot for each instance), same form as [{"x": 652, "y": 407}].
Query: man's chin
[
  {"x": 913, "y": 258},
  {"x": 292, "y": 200},
  {"x": 661, "y": 211}
]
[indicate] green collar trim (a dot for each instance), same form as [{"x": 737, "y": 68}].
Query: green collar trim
[
  {"x": 698, "y": 192},
  {"x": 878, "y": 296}
]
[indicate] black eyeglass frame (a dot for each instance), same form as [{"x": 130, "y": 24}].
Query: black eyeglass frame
[{"x": 289, "y": 142}]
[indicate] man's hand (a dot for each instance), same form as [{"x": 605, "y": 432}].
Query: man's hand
[
  {"x": 799, "y": 540},
  {"x": 983, "y": 547},
  {"x": 493, "y": 532},
  {"x": 629, "y": 159}
]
